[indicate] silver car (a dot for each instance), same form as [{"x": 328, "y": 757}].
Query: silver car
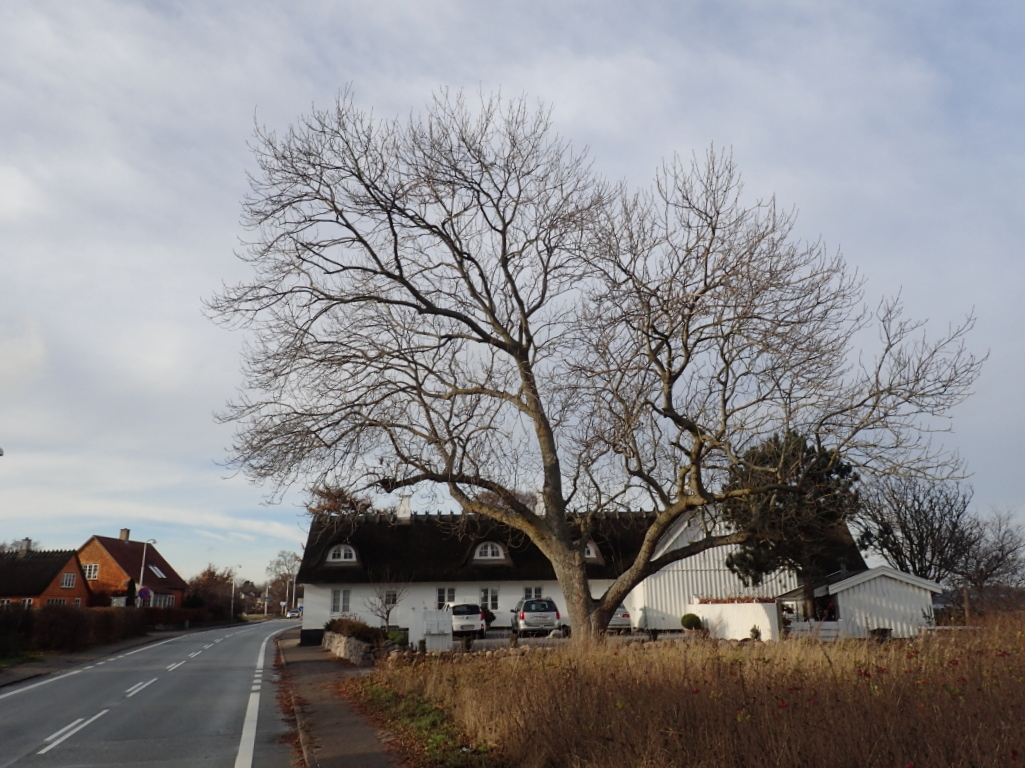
[
  {"x": 537, "y": 616},
  {"x": 620, "y": 621}
]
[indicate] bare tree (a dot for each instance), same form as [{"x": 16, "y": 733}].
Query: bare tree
[
  {"x": 386, "y": 596},
  {"x": 999, "y": 554},
  {"x": 920, "y": 526},
  {"x": 284, "y": 568},
  {"x": 458, "y": 303}
]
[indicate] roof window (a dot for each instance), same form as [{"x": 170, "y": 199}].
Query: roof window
[
  {"x": 489, "y": 550},
  {"x": 342, "y": 553}
]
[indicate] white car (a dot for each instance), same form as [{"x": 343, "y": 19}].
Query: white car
[{"x": 467, "y": 619}]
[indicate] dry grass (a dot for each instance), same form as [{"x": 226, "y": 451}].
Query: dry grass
[{"x": 956, "y": 699}]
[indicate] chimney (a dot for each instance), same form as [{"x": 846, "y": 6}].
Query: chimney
[
  {"x": 404, "y": 513},
  {"x": 125, "y": 533},
  {"x": 24, "y": 547}
]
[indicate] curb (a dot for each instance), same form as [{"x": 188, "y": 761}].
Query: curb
[
  {"x": 309, "y": 760},
  {"x": 23, "y": 679}
]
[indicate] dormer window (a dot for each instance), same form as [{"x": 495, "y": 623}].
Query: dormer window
[
  {"x": 489, "y": 550},
  {"x": 342, "y": 553}
]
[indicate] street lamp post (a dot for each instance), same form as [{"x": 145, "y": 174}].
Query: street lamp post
[
  {"x": 231, "y": 609},
  {"x": 142, "y": 568}
]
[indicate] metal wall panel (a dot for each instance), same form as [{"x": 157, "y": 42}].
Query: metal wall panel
[
  {"x": 666, "y": 595},
  {"x": 884, "y": 603}
]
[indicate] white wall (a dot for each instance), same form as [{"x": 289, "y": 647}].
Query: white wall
[
  {"x": 667, "y": 594},
  {"x": 883, "y": 602},
  {"x": 733, "y": 621}
]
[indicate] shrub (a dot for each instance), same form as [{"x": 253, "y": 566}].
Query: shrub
[
  {"x": 690, "y": 621},
  {"x": 356, "y": 629}
]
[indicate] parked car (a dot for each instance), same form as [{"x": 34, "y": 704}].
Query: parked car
[
  {"x": 537, "y": 616},
  {"x": 620, "y": 621},
  {"x": 294, "y": 613},
  {"x": 467, "y": 618}
]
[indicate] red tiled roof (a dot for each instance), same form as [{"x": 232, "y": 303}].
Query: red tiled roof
[{"x": 128, "y": 555}]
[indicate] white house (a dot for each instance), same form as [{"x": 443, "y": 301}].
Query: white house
[
  {"x": 876, "y": 601},
  {"x": 422, "y": 561}
]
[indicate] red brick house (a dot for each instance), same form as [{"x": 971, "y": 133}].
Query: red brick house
[
  {"x": 33, "y": 579},
  {"x": 109, "y": 565}
]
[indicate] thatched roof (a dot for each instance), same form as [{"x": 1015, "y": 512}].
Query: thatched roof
[{"x": 440, "y": 548}]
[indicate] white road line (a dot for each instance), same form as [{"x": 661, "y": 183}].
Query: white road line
[
  {"x": 194, "y": 655},
  {"x": 71, "y": 733},
  {"x": 175, "y": 666},
  {"x": 208, "y": 645},
  {"x": 247, "y": 744},
  {"x": 131, "y": 690},
  {"x": 36, "y": 685},
  {"x": 53, "y": 736},
  {"x": 139, "y": 687}
]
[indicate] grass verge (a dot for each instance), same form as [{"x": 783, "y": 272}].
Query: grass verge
[
  {"x": 954, "y": 699},
  {"x": 422, "y": 733}
]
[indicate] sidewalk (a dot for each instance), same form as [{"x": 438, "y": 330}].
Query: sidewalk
[{"x": 333, "y": 735}]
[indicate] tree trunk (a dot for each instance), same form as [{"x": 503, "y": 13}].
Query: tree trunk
[
  {"x": 581, "y": 610},
  {"x": 967, "y": 604},
  {"x": 808, "y": 598}
]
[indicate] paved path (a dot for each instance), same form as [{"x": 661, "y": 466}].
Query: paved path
[{"x": 334, "y": 735}]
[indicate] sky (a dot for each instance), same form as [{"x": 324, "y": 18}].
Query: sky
[{"x": 893, "y": 129}]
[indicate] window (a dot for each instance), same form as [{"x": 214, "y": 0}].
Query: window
[
  {"x": 68, "y": 581},
  {"x": 162, "y": 601},
  {"x": 27, "y": 602},
  {"x": 55, "y": 601},
  {"x": 157, "y": 572},
  {"x": 5, "y": 601},
  {"x": 78, "y": 602},
  {"x": 446, "y": 595},
  {"x": 489, "y": 550},
  {"x": 343, "y": 553},
  {"x": 92, "y": 571},
  {"x": 530, "y": 593},
  {"x": 590, "y": 552},
  {"x": 340, "y": 600},
  {"x": 489, "y": 598},
  {"x": 391, "y": 597}
]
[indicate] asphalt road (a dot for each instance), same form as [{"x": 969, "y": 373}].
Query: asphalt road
[{"x": 202, "y": 699}]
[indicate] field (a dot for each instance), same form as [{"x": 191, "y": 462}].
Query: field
[{"x": 956, "y": 698}]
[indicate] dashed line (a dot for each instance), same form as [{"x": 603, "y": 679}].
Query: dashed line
[
  {"x": 138, "y": 687},
  {"x": 194, "y": 655},
  {"x": 67, "y": 727},
  {"x": 175, "y": 666},
  {"x": 71, "y": 732}
]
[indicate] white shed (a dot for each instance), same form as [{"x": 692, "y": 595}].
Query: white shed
[{"x": 880, "y": 599}]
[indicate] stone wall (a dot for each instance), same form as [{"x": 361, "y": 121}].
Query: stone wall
[{"x": 359, "y": 653}]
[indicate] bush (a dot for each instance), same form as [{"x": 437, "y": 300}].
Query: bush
[
  {"x": 356, "y": 629},
  {"x": 690, "y": 621}
]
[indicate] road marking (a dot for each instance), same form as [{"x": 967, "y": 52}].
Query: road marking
[
  {"x": 69, "y": 726},
  {"x": 247, "y": 744},
  {"x": 194, "y": 655},
  {"x": 36, "y": 685},
  {"x": 138, "y": 687},
  {"x": 208, "y": 645},
  {"x": 72, "y": 732},
  {"x": 175, "y": 666}
]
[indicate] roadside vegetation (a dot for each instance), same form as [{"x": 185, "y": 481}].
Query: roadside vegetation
[{"x": 952, "y": 698}]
